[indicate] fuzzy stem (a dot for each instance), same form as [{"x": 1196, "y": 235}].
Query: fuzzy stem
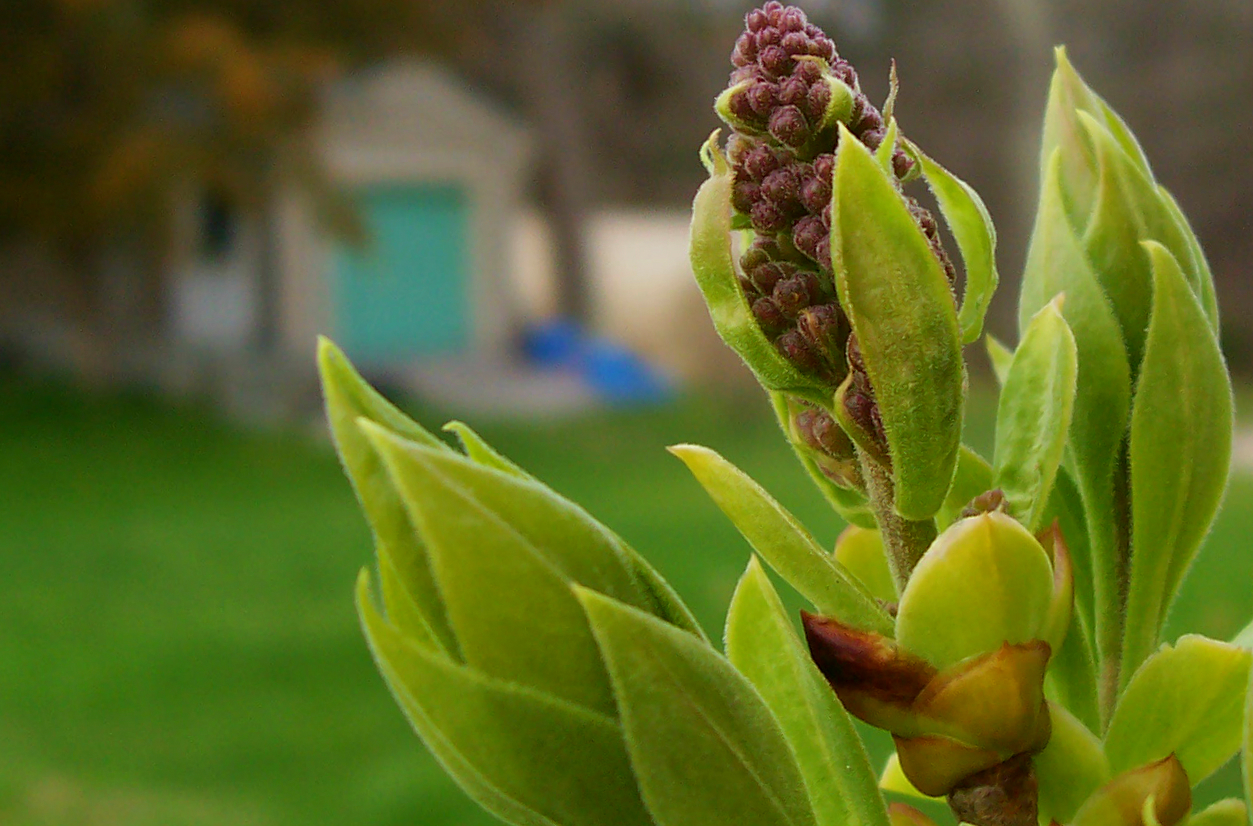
[
  {"x": 904, "y": 540},
  {"x": 1111, "y": 644}
]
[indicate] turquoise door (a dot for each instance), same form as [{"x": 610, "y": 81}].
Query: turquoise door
[{"x": 405, "y": 293}]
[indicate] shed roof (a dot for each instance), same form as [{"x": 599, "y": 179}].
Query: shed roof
[{"x": 421, "y": 106}]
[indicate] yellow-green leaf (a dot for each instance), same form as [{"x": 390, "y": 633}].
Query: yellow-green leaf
[
  {"x": 1070, "y": 768},
  {"x": 901, "y": 307},
  {"x": 1000, "y": 356},
  {"x": 1187, "y": 700},
  {"x": 349, "y": 398},
  {"x": 783, "y": 542},
  {"x": 529, "y": 758},
  {"x": 763, "y": 646},
  {"x": 971, "y": 224},
  {"x": 508, "y": 599},
  {"x": 1229, "y": 812},
  {"x": 1034, "y": 415},
  {"x": 1056, "y": 263},
  {"x": 655, "y": 594},
  {"x": 1181, "y": 434},
  {"x": 704, "y": 745}
]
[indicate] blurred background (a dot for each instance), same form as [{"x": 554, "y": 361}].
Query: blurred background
[{"x": 485, "y": 202}]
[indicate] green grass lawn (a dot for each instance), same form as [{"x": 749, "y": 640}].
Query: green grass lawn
[{"x": 177, "y": 638}]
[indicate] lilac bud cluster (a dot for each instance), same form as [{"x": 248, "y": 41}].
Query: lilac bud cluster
[{"x": 783, "y": 158}]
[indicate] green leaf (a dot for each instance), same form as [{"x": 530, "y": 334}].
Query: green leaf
[
  {"x": 483, "y": 453},
  {"x": 1034, "y": 414},
  {"x": 1000, "y": 356},
  {"x": 527, "y": 757},
  {"x": 1181, "y": 434},
  {"x": 1066, "y": 507},
  {"x": 901, "y": 308},
  {"x": 1130, "y": 209},
  {"x": 1247, "y": 756},
  {"x": 1111, "y": 240},
  {"x": 887, "y": 147},
  {"x": 1203, "y": 279},
  {"x": 704, "y": 746},
  {"x": 763, "y": 645},
  {"x": 348, "y": 398},
  {"x": 971, "y": 224},
  {"x": 1072, "y": 671},
  {"x": 783, "y": 542},
  {"x": 508, "y": 598},
  {"x": 1071, "y": 678},
  {"x": 1070, "y": 768},
  {"x": 984, "y": 582},
  {"x": 657, "y": 597},
  {"x": 1069, "y": 96},
  {"x": 1056, "y": 263},
  {"x": 860, "y": 551},
  {"x": 1229, "y": 812},
  {"x": 1187, "y": 700},
  {"x": 714, "y": 268},
  {"x": 1245, "y": 638},
  {"x": 973, "y": 477}
]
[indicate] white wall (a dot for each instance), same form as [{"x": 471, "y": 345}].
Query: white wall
[{"x": 641, "y": 281}]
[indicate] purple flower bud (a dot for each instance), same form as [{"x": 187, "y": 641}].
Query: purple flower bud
[
  {"x": 774, "y": 12},
  {"x": 750, "y": 290},
  {"x": 843, "y": 70},
  {"x": 765, "y": 276},
  {"x": 789, "y": 127},
  {"x": 792, "y": 20},
  {"x": 755, "y": 20},
  {"x": 808, "y": 71},
  {"x": 869, "y": 121},
  {"x": 821, "y": 46},
  {"x": 768, "y": 36},
  {"x": 793, "y": 92},
  {"x": 744, "y": 194},
  {"x": 808, "y": 233},
  {"x": 816, "y": 102},
  {"x": 768, "y": 316},
  {"x": 818, "y": 429},
  {"x": 767, "y": 217},
  {"x": 824, "y": 167},
  {"x": 741, "y": 106},
  {"x": 745, "y": 50},
  {"x": 775, "y": 60},
  {"x": 760, "y": 252},
  {"x": 783, "y": 187},
  {"x": 825, "y": 327},
  {"x": 816, "y": 192},
  {"x": 794, "y": 294},
  {"x": 795, "y": 349},
  {"x": 762, "y": 97},
  {"x": 823, "y": 253},
  {"x": 873, "y": 137},
  {"x": 795, "y": 43},
  {"x": 902, "y": 164},
  {"x": 761, "y": 162}
]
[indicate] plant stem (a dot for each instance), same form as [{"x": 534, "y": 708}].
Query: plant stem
[
  {"x": 904, "y": 540},
  {"x": 1005, "y": 795},
  {"x": 1111, "y": 643}
]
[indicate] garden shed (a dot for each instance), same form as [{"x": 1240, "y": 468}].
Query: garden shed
[{"x": 436, "y": 174}]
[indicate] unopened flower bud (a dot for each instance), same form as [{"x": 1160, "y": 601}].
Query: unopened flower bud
[{"x": 788, "y": 126}]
